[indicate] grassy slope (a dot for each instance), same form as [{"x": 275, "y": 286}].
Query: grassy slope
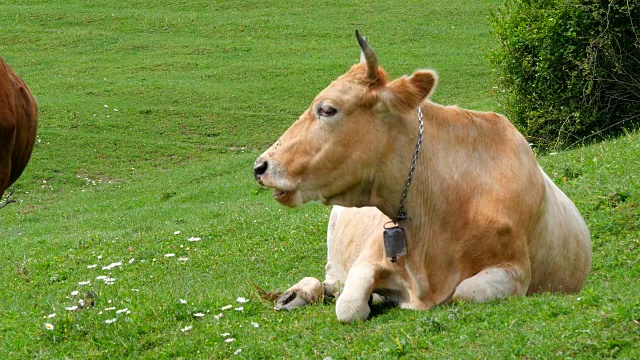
[{"x": 199, "y": 91}]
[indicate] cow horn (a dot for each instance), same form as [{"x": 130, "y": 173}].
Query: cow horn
[{"x": 369, "y": 56}]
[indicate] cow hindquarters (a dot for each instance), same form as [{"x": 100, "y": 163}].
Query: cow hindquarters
[
  {"x": 493, "y": 283},
  {"x": 559, "y": 246}
]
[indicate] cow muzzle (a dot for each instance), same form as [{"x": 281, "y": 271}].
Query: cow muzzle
[{"x": 270, "y": 174}]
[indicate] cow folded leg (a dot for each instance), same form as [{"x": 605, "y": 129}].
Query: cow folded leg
[
  {"x": 491, "y": 284},
  {"x": 305, "y": 292},
  {"x": 353, "y": 303}
]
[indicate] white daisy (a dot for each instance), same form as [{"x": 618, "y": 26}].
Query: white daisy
[
  {"x": 187, "y": 328},
  {"x": 112, "y": 265},
  {"x": 48, "y": 326}
]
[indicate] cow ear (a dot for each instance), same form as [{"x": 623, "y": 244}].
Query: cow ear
[{"x": 406, "y": 93}]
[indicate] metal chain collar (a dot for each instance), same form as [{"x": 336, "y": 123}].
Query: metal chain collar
[{"x": 402, "y": 215}]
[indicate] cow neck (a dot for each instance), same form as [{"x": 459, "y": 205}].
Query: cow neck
[
  {"x": 402, "y": 214},
  {"x": 395, "y": 243}
]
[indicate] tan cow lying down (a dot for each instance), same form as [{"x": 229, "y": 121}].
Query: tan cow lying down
[
  {"x": 18, "y": 123},
  {"x": 484, "y": 221}
]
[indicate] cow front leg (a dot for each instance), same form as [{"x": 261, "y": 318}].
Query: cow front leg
[
  {"x": 493, "y": 283},
  {"x": 7, "y": 200},
  {"x": 353, "y": 303},
  {"x": 305, "y": 292}
]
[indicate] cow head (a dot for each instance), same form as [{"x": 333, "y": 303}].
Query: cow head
[{"x": 340, "y": 149}]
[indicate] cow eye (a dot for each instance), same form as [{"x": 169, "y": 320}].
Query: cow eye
[{"x": 326, "y": 110}]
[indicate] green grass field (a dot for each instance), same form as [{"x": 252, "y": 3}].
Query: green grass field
[{"x": 151, "y": 115}]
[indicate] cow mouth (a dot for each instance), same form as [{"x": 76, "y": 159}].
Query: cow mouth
[{"x": 285, "y": 197}]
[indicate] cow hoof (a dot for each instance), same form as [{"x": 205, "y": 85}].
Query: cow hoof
[
  {"x": 350, "y": 310},
  {"x": 307, "y": 291},
  {"x": 290, "y": 300}
]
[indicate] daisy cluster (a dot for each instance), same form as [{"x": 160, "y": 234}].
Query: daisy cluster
[
  {"x": 105, "y": 273},
  {"x": 93, "y": 182},
  {"x": 83, "y": 297},
  {"x": 227, "y": 337}
]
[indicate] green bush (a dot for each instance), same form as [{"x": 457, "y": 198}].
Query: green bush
[{"x": 568, "y": 70}]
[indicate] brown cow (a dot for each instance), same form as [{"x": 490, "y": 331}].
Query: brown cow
[
  {"x": 18, "y": 124},
  {"x": 481, "y": 220}
]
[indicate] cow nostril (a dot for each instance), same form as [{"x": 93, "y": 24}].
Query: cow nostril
[{"x": 260, "y": 167}]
